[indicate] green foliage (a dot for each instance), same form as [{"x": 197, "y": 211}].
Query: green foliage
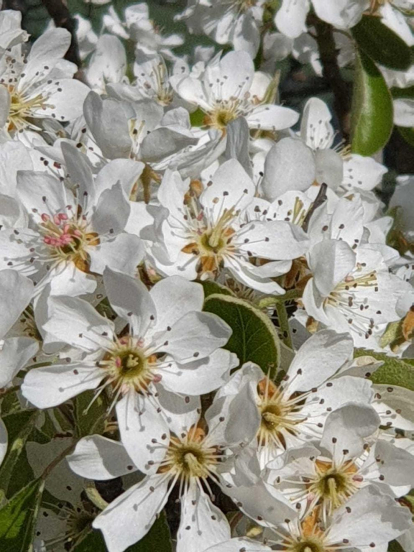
[
  {"x": 381, "y": 44},
  {"x": 18, "y": 518},
  {"x": 372, "y": 109},
  {"x": 89, "y": 416},
  {"x": 19, "y": 426},
  {"x": 394, "y": 371},
  {"x": 254, "y": 337},
  {"x": 211, "y": 288},
  {"x": 157, "y": 540}
]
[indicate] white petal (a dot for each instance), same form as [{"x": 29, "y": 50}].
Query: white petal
[
  {"x": 291, "y": 16},
  {"x": 319, "y": 358},
  {"x": 346, "y": 428},
  {"x": 141, "y": 427},
  {"x": 96, "y": 457},
  {"x": 111, "y": 212},
  {"x": 180, "y": 411},
  {"x": 3, "y": 441},
  {"x": 329, "y": 168},
  {"x": 315, "y": 127},
  {"x": 67, "y": 279},
  {"x": 15, "y": 294},
  {"x": 53, "y": 385},
  {"x": 101, "y": 115},
  {"x": 130, "y": 516},
  {"x": 195, "y": 335},
  {"x": 330, "y": 261},
  {"x": 131, "y": 300},
  {"x": 65, "y": 101},
  {"x": 275, "y": 240},
  {"x": 123, "y": 254},
  {"x": 15, "y": 352},
  {"x": 272, "y": 117},
  {"x": 202, "y": 524},
  {"x": 404, "y": 112},
  {"x": 289, "y": 165},
  {"x": 231, "y": 187},
  {"x": 75, "y": 322},
  {"x": 362, "y": 172},
  {"x": 42, "y": 193},
  {"x": 200, "y": 376},
  {"x": 173, "y": 297},
  {"x": 395, "y": 405},
  {"x": 395, "y": 464},
  {"x": 237, "y": 544},
  {"x": 369, "y": 517}
]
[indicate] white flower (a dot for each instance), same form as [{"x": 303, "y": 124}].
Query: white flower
[
  {"x": 237, "y": 22},
  {"x": 140, "y": 28},
  {"x": 369, "y": 520},
  {"x": 170, "y": 351},
  {"x": 294, "y": 412},
  {"x": 351, "y": 290},
  {"x": 190, "y": 460},
  {"x": 200, "y": 236},
  {"x": 108, "y": 63},
  {"x": 328, "y": 474},
  {"x": 228, "y": 88},
  {"x": 69, "y": 236},
  {"x": 41, "y": 86},
  {"x": 290, "y": 19}
]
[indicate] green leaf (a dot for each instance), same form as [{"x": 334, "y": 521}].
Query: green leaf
[
  {"x": 89, "y": 416},
  {"x": 211, "y": 288},
  {"x": 372, "y": 109},
  {"x": 197, "y": 118},
  {"x": 157, "y": 540},
  {"x": 395, "y": 546},
  {"x": 408, "y": 134},
  {"x": 19, "y": 426},
  {"x": 381, "y": 44},
  {"x": 394, "y": 371},
  {"x": 254, "y": 337},
  {"x": 18, "y": 518}
]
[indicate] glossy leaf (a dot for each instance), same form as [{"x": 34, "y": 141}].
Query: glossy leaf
[
  {"x": 254, "y": 337},
  {"x": 372, "y": 109},
  {"x": 18, "y": 518},
  {"x": 381, "y": 44}
]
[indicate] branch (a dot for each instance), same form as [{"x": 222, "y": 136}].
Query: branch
[
  {"x": 341, "y": 89},
  {"x": 60, "y": 14}
]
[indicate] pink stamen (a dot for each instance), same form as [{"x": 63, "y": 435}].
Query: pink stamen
[{"x": 45, "y": 217}]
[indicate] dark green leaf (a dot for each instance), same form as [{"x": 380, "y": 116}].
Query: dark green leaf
[
  {"x": 372, "y": 109},
  {"x": 157, "y": 540},
  {"x": 381, "y": 44},
  {"x": 18, "y": 518},
  {"x": 394, "y": 546},
  {"x": 254, "y": 337},
  {"x": 89, "y": 416},
  {"x": 211, "y": 288},
  {"x": 408, "y": 134},
  {"x": 19, "y": 426}
]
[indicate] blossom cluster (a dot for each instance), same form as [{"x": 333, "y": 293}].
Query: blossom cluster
[{"x": 202, "y": 289}]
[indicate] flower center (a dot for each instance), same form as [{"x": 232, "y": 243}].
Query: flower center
[
  {"x": 308, "y": 545},
  {"x": 334, "y": 484},
  {"x": 212, "y": 244},
  {"x": 223, "y": 113},
  {"x": 68, "y": 239},
  {"x": 128, "y": 366},
  {"x": 22, "y": 108},
  {"x": 279, "y": 415},
  {"x": 191, "y": 457}
]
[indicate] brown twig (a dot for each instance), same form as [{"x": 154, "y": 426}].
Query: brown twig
[
  {"x": 319, "y": 200},
  {"x": 328, "y": 55},
  {"x": 60, "y": 14}
]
